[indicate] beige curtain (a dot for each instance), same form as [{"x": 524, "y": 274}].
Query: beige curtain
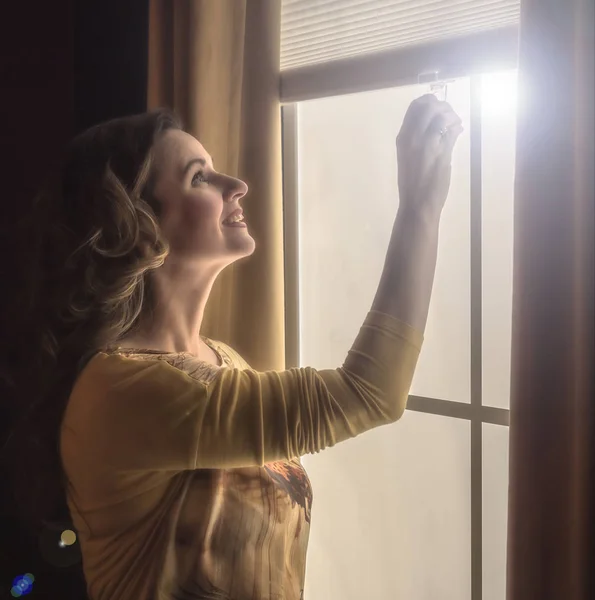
[
  {"x": 216, "y": 62},
  {"x": 551, "y": 510}
]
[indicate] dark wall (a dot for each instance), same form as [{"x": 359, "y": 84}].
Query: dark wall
[
  {"x": 36, "y": 95},
  {"x": 64, "y": 66},
  {"x": 110, "y": 60}
]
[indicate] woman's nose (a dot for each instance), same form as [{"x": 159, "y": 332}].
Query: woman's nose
[{"x": 236, "y": 189}]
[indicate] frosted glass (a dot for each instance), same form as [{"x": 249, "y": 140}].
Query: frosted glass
[
  {"x": 391, "y": 514},
  {"x": 348, "y": 199},
  {"x": 495, "y": 510},
  {"x": 498, "y": 166}
]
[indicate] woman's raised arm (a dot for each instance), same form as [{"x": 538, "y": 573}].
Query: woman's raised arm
[{"x": 148, "y": 415}]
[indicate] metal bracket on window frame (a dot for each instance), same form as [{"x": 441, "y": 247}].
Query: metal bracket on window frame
[{"x": 438, "y": 86}]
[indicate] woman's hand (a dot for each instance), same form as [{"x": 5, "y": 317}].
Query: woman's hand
[{"x": 424, "y": 152}]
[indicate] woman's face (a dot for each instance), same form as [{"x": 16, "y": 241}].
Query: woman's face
[{"x": 199, "y": 207}]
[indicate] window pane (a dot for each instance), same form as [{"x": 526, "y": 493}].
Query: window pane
[
  {"x": 391, "y": 514},
  {"x": 498, "y": 156},
  {"x": 495, "y": 510},
  {"x": 348, "y": 200}
]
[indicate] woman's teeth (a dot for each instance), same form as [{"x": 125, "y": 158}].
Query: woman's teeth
[{"x": 236, "y": 219}]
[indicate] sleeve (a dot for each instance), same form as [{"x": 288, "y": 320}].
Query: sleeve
[{"x": 150, "y": 415}]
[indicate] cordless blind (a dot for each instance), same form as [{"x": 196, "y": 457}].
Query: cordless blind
[{"x": 315, "y": 31}]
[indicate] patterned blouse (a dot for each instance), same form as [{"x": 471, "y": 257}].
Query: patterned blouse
[{"x": 184, "y": 478}]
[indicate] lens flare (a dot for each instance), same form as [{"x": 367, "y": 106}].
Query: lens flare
[
  {"x": 22, "y": 585},
  {"x": 68, "y": 537}
]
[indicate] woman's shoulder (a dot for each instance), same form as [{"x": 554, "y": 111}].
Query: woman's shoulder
[
  {"x": 109, "y": 377},
  {"x": 115, "y": 368},
  {"x": 113, "y": 364}
]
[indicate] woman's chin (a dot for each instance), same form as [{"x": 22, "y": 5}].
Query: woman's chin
[
  {"x": 250, "y": 246},
  {"x": 242, "y": 245}
]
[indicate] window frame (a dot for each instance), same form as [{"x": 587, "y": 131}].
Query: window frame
[{"x": 470, "y": 57}]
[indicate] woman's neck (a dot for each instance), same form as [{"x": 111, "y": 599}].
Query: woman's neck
[{"x": 180, "y": 295}]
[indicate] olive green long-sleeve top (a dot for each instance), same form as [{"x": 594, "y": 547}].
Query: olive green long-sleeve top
[{"x": 184, "y": 479}]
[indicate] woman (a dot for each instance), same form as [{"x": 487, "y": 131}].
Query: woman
[{"x": 180, "y": 462}]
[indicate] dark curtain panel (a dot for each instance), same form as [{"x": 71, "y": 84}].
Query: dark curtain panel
[{"x": 552, "y": 435}]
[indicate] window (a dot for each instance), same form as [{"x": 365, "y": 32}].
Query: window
[{"x": 417, "y": 509}]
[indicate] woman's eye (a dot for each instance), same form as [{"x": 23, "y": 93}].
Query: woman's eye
[{"x": 198, "y": 178}]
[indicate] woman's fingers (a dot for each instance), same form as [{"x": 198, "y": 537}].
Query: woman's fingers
[
  {"x": 427, "y": 116},
  {"x": 419, "y": 111},
  {"x": 449, "y": 139},
  {"x": 442, "y": 122}
]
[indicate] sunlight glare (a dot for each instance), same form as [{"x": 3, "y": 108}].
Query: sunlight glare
[{"x": 499, "y": 93}]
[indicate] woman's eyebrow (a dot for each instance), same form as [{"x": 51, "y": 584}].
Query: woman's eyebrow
[{"x": 200, "y": 161}]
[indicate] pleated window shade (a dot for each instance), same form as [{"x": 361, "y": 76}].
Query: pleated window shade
[{"x": 315, "y": 31}]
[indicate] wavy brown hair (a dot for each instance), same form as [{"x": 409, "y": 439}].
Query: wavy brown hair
[{"x": 91, "y": 240}]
